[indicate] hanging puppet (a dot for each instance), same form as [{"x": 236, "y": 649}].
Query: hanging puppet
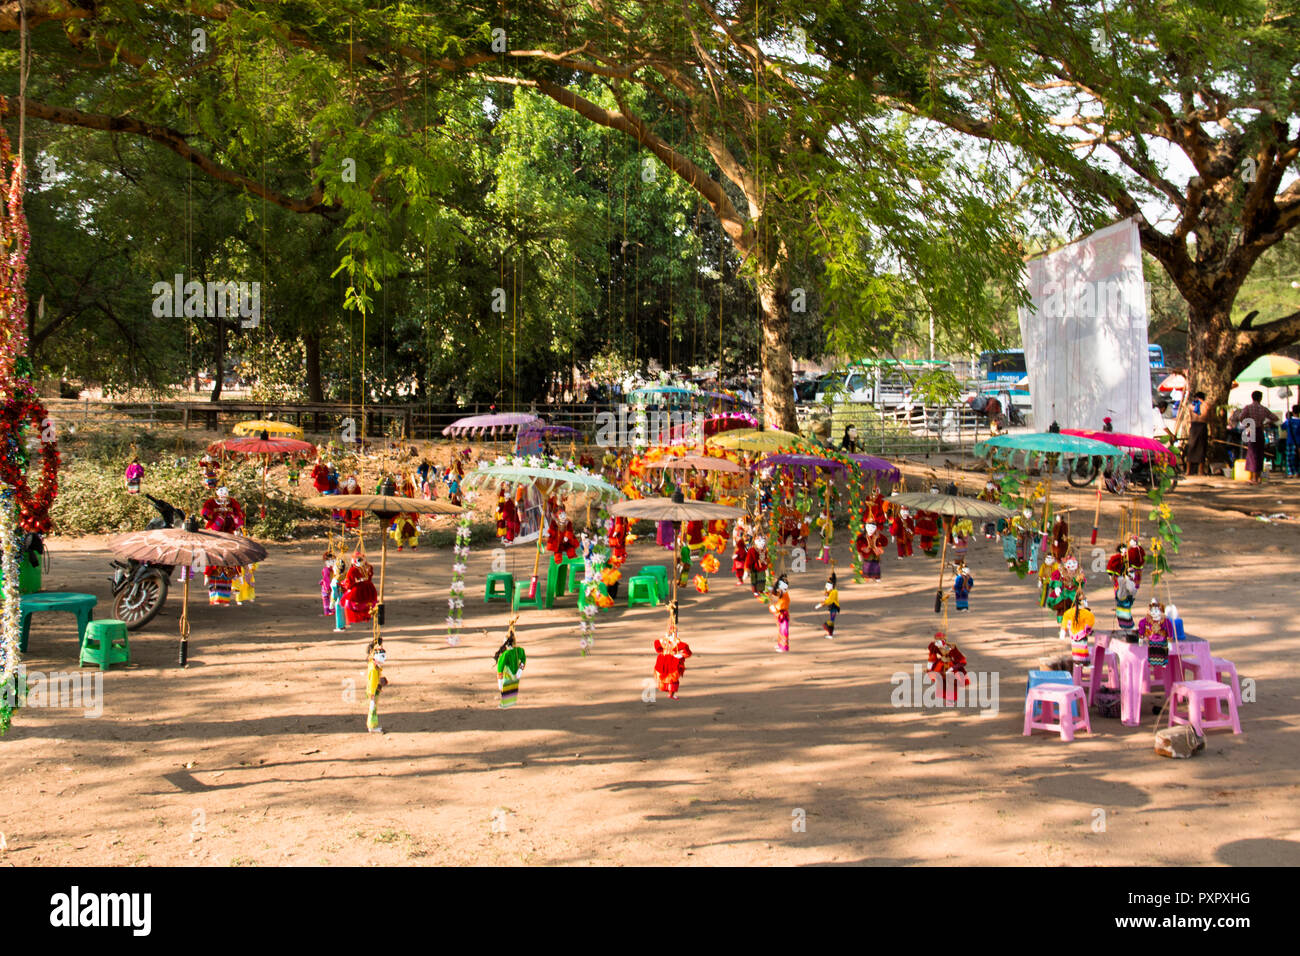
[
  {"x": 959, "y": 533},
  {"x": 510, "y": 660},
  {"x": 405, "y": 530},
  {"x": 338, "y": 580},
  {"x": 780, "y": 606},
  {"x": 560, "y": 539},
  {"x": 831, "y": 601},
  {"x": 1158, "y": 632},
  {"x": 903, "y": 528},
  {"x": 1049, "y": 581},
  {"x": 134, "y": 476},
  {"x": 1072, "y": 582},
  {"x": 870, "y": 544},
  {"x": 294, "y": 470},
  {"x": 359, "y": 594},
  {"x": 210, "y": 470},
  {"x": 740, "y": 542},
  {"x": 376, "y": 657},
  {"x": 326, "y": 576},
  {"x": 962, "y": 583},
  {"x": 947, "y": 665},
  {"x": 1077, "y": 624},
  {"x": 1136, "y": 559},
  {"x": 320, "y": 477},
  {"x": 1060, "y": 536},
  {"x": 670, "y": 660},
  {"x": 991, "y": 492},
  {"x": 756, "y": 565},
  {"x": 351, "y": 518},
  {"x": 223, "y": 513},
  {"x": 927, "y": 530}
]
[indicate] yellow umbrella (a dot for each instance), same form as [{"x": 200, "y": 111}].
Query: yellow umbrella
[
  {"x": 283, "y": 429},
  {"x": 754, "y": 439}
]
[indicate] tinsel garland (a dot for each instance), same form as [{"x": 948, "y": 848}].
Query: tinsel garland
[
  {"x": 10, "y": 631},
  {"x": 15, "y": 242},
  {"x": 456, "y": 595}
]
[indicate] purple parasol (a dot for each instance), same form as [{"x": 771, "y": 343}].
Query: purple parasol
[
  {"x": 886, "y": 470},
  {"x": 799, "y": 463},
  {"x": 497, "y": 424}
]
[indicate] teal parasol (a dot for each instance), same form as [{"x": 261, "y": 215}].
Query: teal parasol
[{"x": 1031, "y": 450}]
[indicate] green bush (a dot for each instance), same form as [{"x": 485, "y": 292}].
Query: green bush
[{"x": 93, "y": 499}]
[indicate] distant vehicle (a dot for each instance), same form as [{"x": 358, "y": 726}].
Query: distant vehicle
[
  {"x": 885, "y": 383},
  {"x": 1003, "y": 365},
  {"x": 1157, "y": 355}
]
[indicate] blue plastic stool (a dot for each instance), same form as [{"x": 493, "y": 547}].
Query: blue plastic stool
[{"x": 1049, "y": 677}]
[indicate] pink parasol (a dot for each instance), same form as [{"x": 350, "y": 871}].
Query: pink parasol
[
  {"x": 493, "y": 425},
  {"x": 713, "y": 425},
  {"x": 1122, "y": 440}
]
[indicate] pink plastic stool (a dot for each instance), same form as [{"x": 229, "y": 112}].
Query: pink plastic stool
[
  {"x": 1224, "y": 668},
  {"x": 1056, "y": 711},
  {"x": 1203, "y": 695}
]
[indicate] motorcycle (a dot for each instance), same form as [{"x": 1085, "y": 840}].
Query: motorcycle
[{"x": 140, "y": 588}]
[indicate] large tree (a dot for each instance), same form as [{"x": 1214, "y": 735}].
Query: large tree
[
  {"x": 1183, "y": 114},
  {"x": 758, "y": 107}
]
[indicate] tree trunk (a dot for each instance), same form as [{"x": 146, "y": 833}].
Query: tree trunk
[
  {"x": 1211, "y": 364},
  {"x": 778, "y": 366},
  {"x": 219, "y": 359},
  {"x": 315, "y": 393}
]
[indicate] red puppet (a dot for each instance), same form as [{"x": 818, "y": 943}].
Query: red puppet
[
  {"x": 560, "y": 539},
  {"x": 927, "y": 529},
  {"x": 903, "y": 528},
  {"x": 320, "y": 478},
  {"x": 870, "y": 544},
  {"x": 1136, "y": 558},
  {"x": 223, "y": 513},
  {"x": 947, "y": 664},
  {"x": 359, "y": 594},
  {"x": 618, "y": 529},
  {"x": 670, "y": 662},
  {"x": 741, "y": 552}
]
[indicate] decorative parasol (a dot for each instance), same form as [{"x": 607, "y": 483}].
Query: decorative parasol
[
  {"x": 1172, "y": 383},
  {"x": 529, "y": 439},
  {"x": 1279, "y": 381},
  {"x": 491, "y": 425},
  {"x": 190, "y": 549},
  {"x": 257, "y": 427},
  {"x": 1006, "y": 449},
  {"x": 263, "y": 445},
  {"x": 1122, "y": 440},
  {"x": 696, "y": 463},
  {"x": 950, "y": 506},
  {"x": 758, "y": 439},
  {"x": 546, "y": 480},
  {"x": 800, "y": 464},
  {"x": 677, "y": 510},
  {"x": 886, "y": 470},
  {"x": 1268, "y": 366},
  {"x": 385, "y": 507}
]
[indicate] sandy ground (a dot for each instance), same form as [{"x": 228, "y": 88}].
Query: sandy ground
[{"x": 256, "y": 754}]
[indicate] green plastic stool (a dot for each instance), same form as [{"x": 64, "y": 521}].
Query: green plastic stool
[
  {"x": 105, "y": 643},
  {"x": 556, "y": 577},
  {"x": 643, "y": 589},
  {"x": 522, "y": 599},
  {"x": 577, "y": 571},
  {"x": 503, "y": 593},
  {"x": 660, "y": 573}
]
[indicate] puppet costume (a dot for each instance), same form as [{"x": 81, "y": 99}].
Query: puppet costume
[
  {"x": 326, "y": 576},
  {"x": 1072, "y": 581},
  {"x": 1060, "y": 538},
  {"x": 1077, "y": 625},
  {"x": 560, "y": 539},
  {"x": 871, "y": 544},
  {"x": 756, "y": 564},
  {"x": 245, "y": 584},
  {"x": 618, "y": 529},
  {"x": 336, "y": 596},
  {"x": 219, "y": 579},
  {"x": 359, "y": 594},
  {"x": 993, "y": 493},
  {"x": 320, "y": 478},
  {"x": 831, "y": 602},
  {"x": 1125, "y": 592},
  {"x": 406, "y": 530},
  {"x": 927, "y": 529},
  {"x": 134, "y": 475},
  {"x": 947, "y": 664},
  {"x": 738, "y": 557},
  {"x": 210, "y": 470},
  {"x": 1049, "y": 576},
  {"x": 962, "y": 583},
  {"x": 375, "y": 682},
  {"x": 1158, "y": 631},
  {"x": 510, "y": 664},
  {"x": 222, "y": 513},
  {"x": 780, "y": 606},
  {"x": 1136, "y": 558},
  {"x": 903, "y": 529},
  {"x": 670, "y": 662}
]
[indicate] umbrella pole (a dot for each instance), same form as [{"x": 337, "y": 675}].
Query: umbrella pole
[
  {"x": 383, "y": 565},
  {"x": 1096, "y": 515},
  {"x": 185, "y": 616},
  {"x": 537, "y": 561},
  {"x": 943, "y": 558}
]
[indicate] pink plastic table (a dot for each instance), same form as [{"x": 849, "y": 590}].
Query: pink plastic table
[{"x": 1191, "y": 653}]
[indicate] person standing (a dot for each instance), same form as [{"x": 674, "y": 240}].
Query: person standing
[
  {"x": 1252, "y": 420},
  {"x": 1292, "y": 429},
  {"x": 1198, "y": 436}
]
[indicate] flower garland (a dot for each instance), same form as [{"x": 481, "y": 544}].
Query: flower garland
[
  {"x": 15, "y": 242},
  {"x": 10, "y": 628},
  {"x": 456, "y": 593}
]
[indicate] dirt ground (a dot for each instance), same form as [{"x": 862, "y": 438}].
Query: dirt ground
[{"x": 256, "y": 754}]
